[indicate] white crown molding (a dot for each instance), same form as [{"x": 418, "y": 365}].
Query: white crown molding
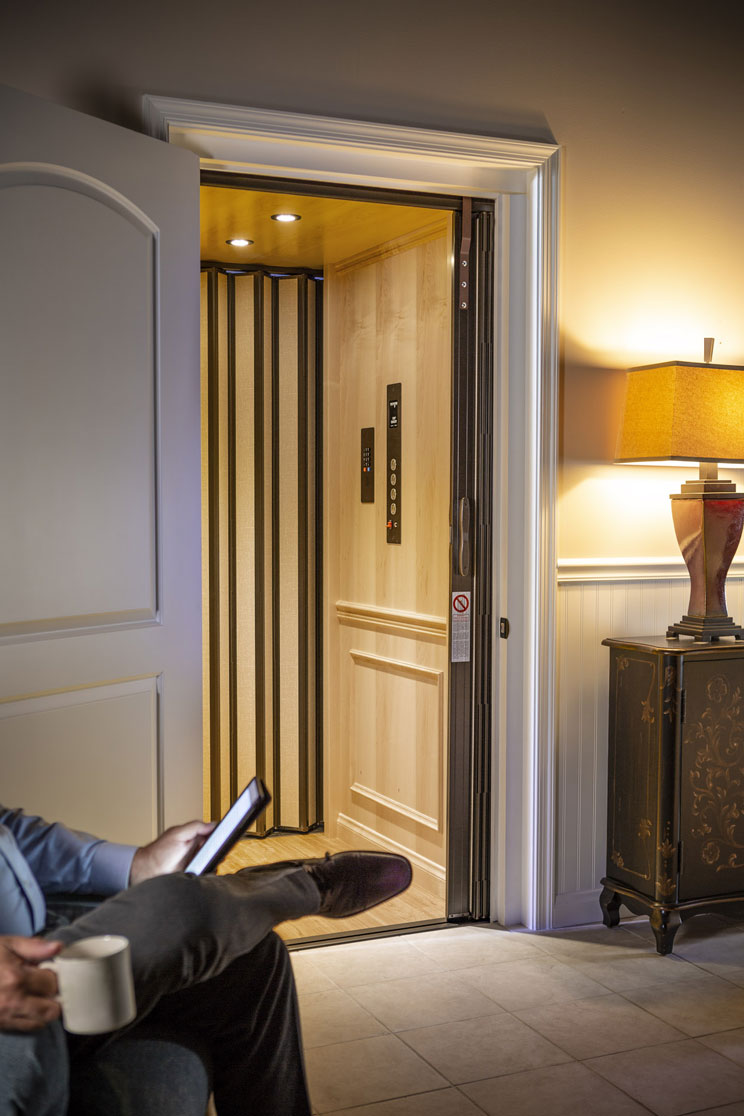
[
  {"x": 164, "y": 115},
  {"x": 629, "y": 569}
]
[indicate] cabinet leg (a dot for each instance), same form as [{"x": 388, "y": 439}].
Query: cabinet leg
[
  {"x": 665, "y": 925},
  {"x": 610, "y": 901}
]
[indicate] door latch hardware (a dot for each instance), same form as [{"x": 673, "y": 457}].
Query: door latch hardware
[
  {"x": 463, "y": 285},
  {"x": 504, "y": 628},
  {"x": 463, "y": 550}
]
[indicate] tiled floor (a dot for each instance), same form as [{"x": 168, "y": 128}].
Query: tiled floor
[{"x": 472, "y": 1020}]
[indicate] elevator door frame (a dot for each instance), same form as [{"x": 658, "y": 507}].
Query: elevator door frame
[
  {"x": 468, "y": 763},
  {"x": 523, "y": 179}
]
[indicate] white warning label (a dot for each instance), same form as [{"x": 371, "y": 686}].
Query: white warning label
[{"x": 460, "y": 624}]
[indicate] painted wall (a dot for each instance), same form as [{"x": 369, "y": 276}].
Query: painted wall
[{"x": 647, "y": 101}]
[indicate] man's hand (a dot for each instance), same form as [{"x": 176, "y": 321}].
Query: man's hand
[
  {"x": 170, "y": 852},
  {"x": 27, "y": 992}
]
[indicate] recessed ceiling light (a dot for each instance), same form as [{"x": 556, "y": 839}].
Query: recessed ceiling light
[
  {"x": 285, "y": 217},
  {"x": 239, "y": 242}
]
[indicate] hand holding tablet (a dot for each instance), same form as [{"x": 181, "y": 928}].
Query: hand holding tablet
[{"x": 246, "y": 808}]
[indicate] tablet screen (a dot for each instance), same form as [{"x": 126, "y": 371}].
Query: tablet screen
[{"x": 246, "y": 808}]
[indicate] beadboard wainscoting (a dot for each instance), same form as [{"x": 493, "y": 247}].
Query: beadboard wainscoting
[{"x": 597, "y": 598}]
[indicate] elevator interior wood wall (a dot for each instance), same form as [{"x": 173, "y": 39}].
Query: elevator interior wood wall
[{"x": 388, "y": 315}]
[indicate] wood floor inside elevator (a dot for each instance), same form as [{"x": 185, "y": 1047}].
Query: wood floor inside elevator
[{"x": 417, "y": 904}]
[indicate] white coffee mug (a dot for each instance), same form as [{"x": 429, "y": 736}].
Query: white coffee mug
[{"x": 95, "y": 986}]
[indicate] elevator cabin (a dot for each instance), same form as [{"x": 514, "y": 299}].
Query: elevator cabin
[{"x": 346, "y": 500}]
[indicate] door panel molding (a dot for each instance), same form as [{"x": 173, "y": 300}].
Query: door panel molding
[
  {"x": 22, "y": 630},
  {"x": 67, "y": 178},
  {"x": 391, "y": 619},
  {"x": 398, "y": 666},
  {"x": 524, "y": 180},
  {"x": 66, "y": 569},
  {"x": 103, "y": 735},
  {"x": 421, "y": 675}
]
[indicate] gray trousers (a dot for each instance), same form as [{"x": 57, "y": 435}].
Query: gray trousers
[{"x": 209, "y": 976}]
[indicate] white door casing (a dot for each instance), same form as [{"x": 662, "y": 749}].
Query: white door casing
[
  {"x": 523, "y": 179},
  {"x": 100, "y": 574}
]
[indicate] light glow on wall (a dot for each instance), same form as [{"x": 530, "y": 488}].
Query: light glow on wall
[{"x": 614, "y": 510}]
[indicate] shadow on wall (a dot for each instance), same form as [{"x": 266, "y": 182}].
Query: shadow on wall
[
  {"x": 605, "y": 510},
  {"x": 590, "y": 407},
  {"x": 96, "y": 94}
]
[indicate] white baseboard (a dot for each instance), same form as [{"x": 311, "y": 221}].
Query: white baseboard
[
  {"x": 430, "y": 876},
  {"x": 577, "y": 908}
]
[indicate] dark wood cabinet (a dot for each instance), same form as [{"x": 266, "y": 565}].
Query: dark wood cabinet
[{"x": 675, "y": 818}]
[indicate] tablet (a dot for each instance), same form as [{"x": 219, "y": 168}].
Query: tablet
[{"x": 246, "y": 808}]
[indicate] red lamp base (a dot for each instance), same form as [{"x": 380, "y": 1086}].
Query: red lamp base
[{"x": 708, "y": 527}]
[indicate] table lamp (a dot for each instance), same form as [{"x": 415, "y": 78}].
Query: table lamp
[{"x": 682, "y": 411}]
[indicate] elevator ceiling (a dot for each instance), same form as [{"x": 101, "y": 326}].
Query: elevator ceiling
[{"x": 331, "y": 229}]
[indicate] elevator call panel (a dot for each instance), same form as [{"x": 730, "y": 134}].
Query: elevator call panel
[
  {"x": 393, "y": 462},
  {"x": 368, "y": 465}
]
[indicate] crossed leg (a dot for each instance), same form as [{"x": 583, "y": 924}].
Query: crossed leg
[
  {"x": 241, "y": 1032},
  {"x": 206, "y": 967}
]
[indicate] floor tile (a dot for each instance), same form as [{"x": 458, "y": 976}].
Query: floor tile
[
  {"x": 368, "y": 962},
  {"x": 597, "y": 943},
  {"x": 448, "y": 1102},
  {"x": 730, "y": 1043},
  {"x": 423, "y": 1001},
  {"x": 469, "y": 945},
  {"x": 559, "y": 1090},
  {"x": 329, "y": 1017},
  {"x": 696, "y": 1007},
  {"x": 364, "y": 1071},
  {"x": 523, "y": 984},
  {"x": 675, "y": 1078},
  {"x": 693, "y": 934},
  {"x": 692, "y": 929},
  {"x": 308, "y": 976},
  {"x": 720, "y": 953},
  {"x": 603, "y": 1025},
  {"x": 485, "y": 1047},
  {"x": 620, "y": 973}
]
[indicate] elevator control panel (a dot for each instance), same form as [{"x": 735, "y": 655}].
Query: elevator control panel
[
  {"x": 393, "y": 462},
  {"x": 368, "y": 465}
]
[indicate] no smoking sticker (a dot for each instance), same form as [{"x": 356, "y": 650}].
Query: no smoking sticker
[{"x": 460, "y": 627}]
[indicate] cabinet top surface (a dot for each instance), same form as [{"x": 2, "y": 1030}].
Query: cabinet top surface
[{"x": 721, "y": 648}]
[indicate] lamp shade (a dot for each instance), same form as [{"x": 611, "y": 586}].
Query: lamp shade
[{"x": 683, "y": 411}]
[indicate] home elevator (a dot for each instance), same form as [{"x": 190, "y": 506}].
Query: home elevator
[{"x": 347, "y": 497}]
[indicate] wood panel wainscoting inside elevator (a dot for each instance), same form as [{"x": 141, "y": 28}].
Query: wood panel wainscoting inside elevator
[{"x": 388, "y": 320}]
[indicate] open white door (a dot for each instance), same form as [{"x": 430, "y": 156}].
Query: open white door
[{"x": 100, "y": 567}]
